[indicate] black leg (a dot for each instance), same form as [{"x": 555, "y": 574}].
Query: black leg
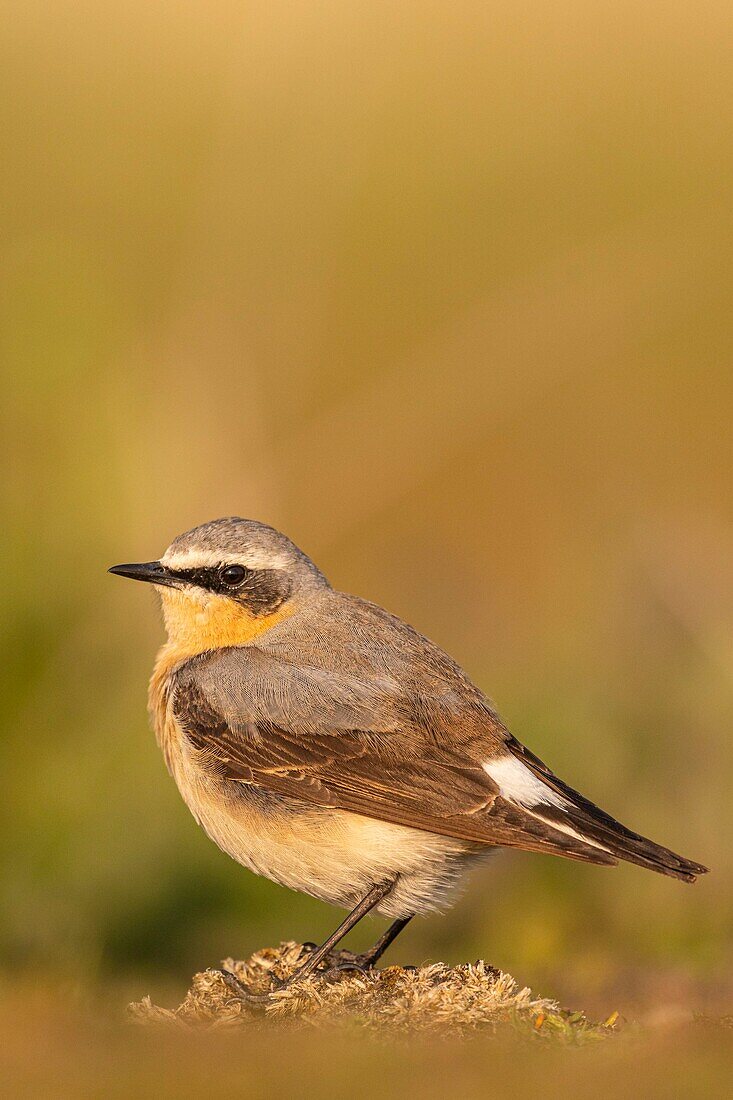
[
  {"x": 366, "y": 904},
  {"x": 369, "y": 958}
]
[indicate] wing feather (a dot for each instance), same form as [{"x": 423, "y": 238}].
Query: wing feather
[
  {"x": 358, "y": 746},
  {"x": 350, "y": 707}
]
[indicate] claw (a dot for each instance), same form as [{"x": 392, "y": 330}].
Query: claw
[
  {"x": 357, "y": 964},
  {"x": 340, "y": 968},
  {"x": 240, "y": 990}
]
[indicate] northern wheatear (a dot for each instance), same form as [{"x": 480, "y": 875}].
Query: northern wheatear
[{"x": 324, "y": 743}]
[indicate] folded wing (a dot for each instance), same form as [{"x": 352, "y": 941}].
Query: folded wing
[{"x": 440, "y": 761}]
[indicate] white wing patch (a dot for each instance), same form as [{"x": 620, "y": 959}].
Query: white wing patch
[{"x": 518, "y": 784}]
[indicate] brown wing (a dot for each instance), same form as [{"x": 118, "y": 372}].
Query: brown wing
[{"x": 360, "y": 745}]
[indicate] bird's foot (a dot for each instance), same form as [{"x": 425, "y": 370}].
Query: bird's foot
[
  {"x": 348, "y": 960},
  {"x": 336, "y": 970},
  {"x": 331, "y": 969},
  {"x": 243, "y": 993}
]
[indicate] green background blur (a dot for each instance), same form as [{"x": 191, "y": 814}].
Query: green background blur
[{"x": 444, "y": 292}]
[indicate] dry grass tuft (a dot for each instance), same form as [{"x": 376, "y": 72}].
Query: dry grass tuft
[{"x": 438, "y": 999}]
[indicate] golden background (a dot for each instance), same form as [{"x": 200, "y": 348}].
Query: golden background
[{"x": 444, "y": 292}]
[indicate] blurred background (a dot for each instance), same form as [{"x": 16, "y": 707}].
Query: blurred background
[{"x": 444, "y": 292}]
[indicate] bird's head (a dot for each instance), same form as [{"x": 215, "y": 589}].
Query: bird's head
[{"x": 226, "y": 582}]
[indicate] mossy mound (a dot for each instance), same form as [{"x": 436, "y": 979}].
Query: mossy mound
[{"x": 438, "y": 999}]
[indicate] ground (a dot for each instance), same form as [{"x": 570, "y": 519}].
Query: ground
[
  {"x": 438, "y": 999},
  {"x": 436, "y": 1030}
]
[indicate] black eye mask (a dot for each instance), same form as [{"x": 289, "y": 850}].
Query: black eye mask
[{"x": 261, "y": 591}]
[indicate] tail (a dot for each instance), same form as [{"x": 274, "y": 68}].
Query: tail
[{"x": 572, "y": 812}]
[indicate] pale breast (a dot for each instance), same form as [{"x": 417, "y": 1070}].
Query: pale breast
[{"x": 330, "y": 854}]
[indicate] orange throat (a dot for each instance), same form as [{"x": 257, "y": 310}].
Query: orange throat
[{"x": 198, "y": 623}]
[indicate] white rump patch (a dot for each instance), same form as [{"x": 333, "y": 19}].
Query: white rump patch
[{"x": 518, "y": 784}]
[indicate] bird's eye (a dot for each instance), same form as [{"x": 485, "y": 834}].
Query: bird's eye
[{"x": 232, "y": 575}]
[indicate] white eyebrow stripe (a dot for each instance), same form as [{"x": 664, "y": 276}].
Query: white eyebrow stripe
[
  {"x": 520, "y": 785},
  {"x": 208, "y": 559}
]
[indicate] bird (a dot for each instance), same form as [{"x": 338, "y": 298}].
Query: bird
[{"x": 324, "y": 743}]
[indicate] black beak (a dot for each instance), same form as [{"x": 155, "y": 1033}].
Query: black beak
[{"x": 151, "y": 571}]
